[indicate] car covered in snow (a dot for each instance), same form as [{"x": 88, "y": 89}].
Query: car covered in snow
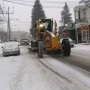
[
  {"x": 70, "y": 40},
  {"x": 10, "y": 48}
]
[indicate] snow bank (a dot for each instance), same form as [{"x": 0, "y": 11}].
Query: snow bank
[
  {"x": 1, "y": 48},
  {"x": 1, "y": 44},
  {"x": 81, "y": 47},
  {"x": 8, "y": 68}
]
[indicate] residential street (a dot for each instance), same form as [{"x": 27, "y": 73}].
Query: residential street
[
  {"x": 44, "y": 45},
  {"x": 27, "y": 72}
]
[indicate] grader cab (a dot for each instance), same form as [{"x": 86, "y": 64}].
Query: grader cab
[{"x": 47, "y": 39}]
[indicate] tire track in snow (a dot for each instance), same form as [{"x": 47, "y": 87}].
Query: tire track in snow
[
  {"x": 57, "y": 73},
  {"x": 15, "y": 83},
  {"x": 78, "y": 83},
  {"x": 52, "y": 69},
  {"x": 73, "y": 61}
]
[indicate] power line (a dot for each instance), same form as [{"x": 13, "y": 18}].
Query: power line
[
  {"x": 3, "y": 13},
  {"x": 47, "y": 1},
  {"x": 8, "y": 22},
  {"x": 18, "y": 3},
  {"x": 24, "y": 1},
  {"x": 4, "y": 4},
  {"x": 59, "y": 2},
  {"x": 45, "y": 6}
]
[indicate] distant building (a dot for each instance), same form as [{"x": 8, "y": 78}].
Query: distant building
[
  {"x": 18, "y": 35},
  {"x": 82, "y": 21}
]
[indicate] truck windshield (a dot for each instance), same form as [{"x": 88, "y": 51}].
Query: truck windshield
[{"x": 47, "y": 25}]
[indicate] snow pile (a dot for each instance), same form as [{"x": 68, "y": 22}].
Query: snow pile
[
  {"x": 81, "y": 47},
  {"x": 8, "y": 68},
  {"x": 1, "y": 48},
  {"x": 1, "y": 45}
]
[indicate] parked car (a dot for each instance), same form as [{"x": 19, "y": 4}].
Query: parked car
[
  {"x": 10, "y": 48},
  {"x": 70, "y": 40}
]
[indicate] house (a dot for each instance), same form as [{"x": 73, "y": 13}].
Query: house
[{"x": 82, "y": 21}]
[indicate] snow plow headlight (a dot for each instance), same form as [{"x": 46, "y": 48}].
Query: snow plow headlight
[{"x": 41, "y": 25}]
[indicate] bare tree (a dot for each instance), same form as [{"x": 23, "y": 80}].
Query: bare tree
[{"x": 3, "y": 36}]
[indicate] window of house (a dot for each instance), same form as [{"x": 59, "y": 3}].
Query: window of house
[
  {"x": 76, "y": 14},
  {"x": 84, "y": 14},
  {"x": 79, "y": 14}
]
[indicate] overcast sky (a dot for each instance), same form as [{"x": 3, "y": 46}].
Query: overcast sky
[{"x": 21, "y": 19}]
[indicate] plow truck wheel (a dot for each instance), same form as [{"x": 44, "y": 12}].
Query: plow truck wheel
[
  {"x": 66, "y": 47},
  {"x": 40, "y": 49}
]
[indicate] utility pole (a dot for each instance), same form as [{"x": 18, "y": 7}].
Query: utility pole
[
  {"x": 8, "y": 26},
  {"x": 8, "y": 22}
]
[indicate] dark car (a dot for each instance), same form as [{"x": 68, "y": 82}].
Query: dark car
[{"x": 24, "y": 42}]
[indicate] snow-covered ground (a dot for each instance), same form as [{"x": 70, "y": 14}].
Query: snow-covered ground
[
  {"x": 8, "y": 69},
  {"x": 82, "y": 52},
  {"x": 24, "y": 72},
  {"x": 81, "y": 47}
]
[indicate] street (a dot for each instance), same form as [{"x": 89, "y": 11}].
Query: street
[
  {"x": 28, "y": 72},
  {"x": 78, "y": 58},
  {"x": 51, "y": 27}
]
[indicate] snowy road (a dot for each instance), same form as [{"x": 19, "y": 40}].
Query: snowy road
[
  {"x": 78, "y": 58},
  {"x": 27, "y": 72}
]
